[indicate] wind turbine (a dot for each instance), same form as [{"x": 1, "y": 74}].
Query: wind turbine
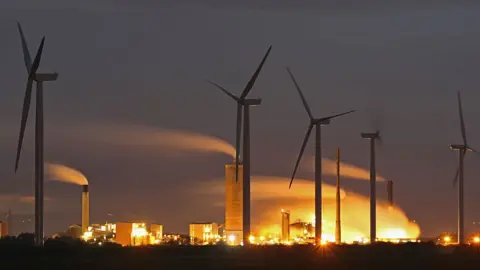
[
  {"x": 39, "y": 78},
  {"x": 318, "y": 123},
  {"x": 373, "y": 137},
  {"x": 462, "y": 149},
  {"x": 244, "y": 104}
]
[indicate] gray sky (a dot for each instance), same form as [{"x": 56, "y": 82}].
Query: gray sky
[{"x": 146, "y": 62}]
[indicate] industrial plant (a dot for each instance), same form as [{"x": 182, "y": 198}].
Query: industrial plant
[{"x": 307, "y": 212}]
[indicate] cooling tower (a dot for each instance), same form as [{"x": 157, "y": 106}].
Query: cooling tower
[
  {"x": 85, "y": 209},
  {"x": 285, "y": 226},
  {"x": 390, "y": 192},
  {"x": 233, "y": 204}
]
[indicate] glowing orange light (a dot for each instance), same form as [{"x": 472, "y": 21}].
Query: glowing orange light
[
  {"x": 476, "y": 239},
  {"x": 447, "y": 239}
]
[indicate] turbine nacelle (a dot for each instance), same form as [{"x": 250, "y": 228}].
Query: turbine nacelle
[
  {"x": 459, "y": 147},
  {"x": 251, "y": 102},
  {"x": 372, "y": 136},
  {"x": 45, "y": 77},
  {"x": 321, "y": 121}
]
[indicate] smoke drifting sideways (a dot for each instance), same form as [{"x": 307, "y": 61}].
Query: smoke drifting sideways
[
  {"x": 329, "y": 167},
  {"x": 14, "y": 198},
  {"x": 271, "y": 194},
  {"x": 165, "y": 139},
  {"x": 62, "y": 173}
]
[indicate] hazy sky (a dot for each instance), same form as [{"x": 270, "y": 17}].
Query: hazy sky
[{"x": 146, "y": 63}]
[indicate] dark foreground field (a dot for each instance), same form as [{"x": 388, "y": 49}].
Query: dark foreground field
[{"x": 381, "y": 256}]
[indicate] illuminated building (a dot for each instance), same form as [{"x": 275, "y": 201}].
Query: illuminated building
[
  {"x": 233, "y": 205},
  {"x": 204, "y": 233},
  {"x": 3, "y": 228},
  {"x": 285, "y": 226},
  {"x": 157, "y": 232},
  {"x": 301, "y": 230},
  {"x": 137, "y": 234},
  {"x": 74, "y": 231}
]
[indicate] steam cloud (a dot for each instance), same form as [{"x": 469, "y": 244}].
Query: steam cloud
[
  {"x": 329, "y": 167},
  {"x": 133, "y": 135},
  {"x": 271, "y": 194},
  {"x": 20, "y": 198},
  {"x": 62, "y": 173}
]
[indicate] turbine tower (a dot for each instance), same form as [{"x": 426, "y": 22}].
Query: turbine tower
[
  {"x": 39, "y": 78},
  {"x": 244, "y": 104},
  {"x": 317, "y": 123},
  {"x": 373, "y": 179},
  {"x": 462, "y": 149}
]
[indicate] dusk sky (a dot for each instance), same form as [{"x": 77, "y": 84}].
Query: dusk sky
[{"x": 129, "y": 63}]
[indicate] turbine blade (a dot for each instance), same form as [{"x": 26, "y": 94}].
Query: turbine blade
[
  {"x": 473, "y": 150},
  {"x": 224, "y": 90},
  {"x": 36, "y": 61},
  {"x": 462, "y": 122},
  {"x": 250, "y": 83},
  {"x": 304, "y": 101},
  {"x": 27, "y": 100},
  {"x": 302, "y": 149},
  {"x": 237, "y": 137},
  {"x": 23, "y": 123},
  {"x": 26, "y": 53},
  {"x": 455, "y": 179},
  {"x": 337, "y": 115}
]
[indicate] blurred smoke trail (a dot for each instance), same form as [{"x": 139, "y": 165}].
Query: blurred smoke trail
[
  {"x": 347, "y": 170},
  {"x": 271, "y": 194},
  {"x": 4, "y": 198},
  {"x": 135, "y": 135},
  {"x": 276, "y": 187},
  {"x": 31, "y": 199},
  {"x": 58, "y": 172}
]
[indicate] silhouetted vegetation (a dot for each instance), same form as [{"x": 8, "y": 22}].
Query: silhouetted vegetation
[{"x": 74, "y": 255}]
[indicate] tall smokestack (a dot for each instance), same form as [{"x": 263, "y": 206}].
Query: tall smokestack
[
  {"x": 285, "y": 226},
  {"x": 338, "y": 228},
  {"x": 85, "y": 209},
  {"x": 233, "y": 204},
  {"x": 390, "y": 192}
]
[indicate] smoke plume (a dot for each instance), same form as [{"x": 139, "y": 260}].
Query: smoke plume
[
  {"x": 62, "y": 173},
  {"x": 167, "y": 139},
  {"x": 329, "y": 167},
  {"x": 13, "y": 198},
  {"x": 271, "y": 194}
]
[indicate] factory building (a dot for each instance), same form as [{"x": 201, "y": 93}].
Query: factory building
[
  {"x": 99, "y": 232},
  {"x": 202, "y": 233},
  {"x": 3, "y": 229},
  {"x": 301, "y": 230},
  {"x": 285, "y": 226},
  {"x": 74, "y": 231},
  {"x": 233, "y": 204},
  {"x": 137, "y": 234}
]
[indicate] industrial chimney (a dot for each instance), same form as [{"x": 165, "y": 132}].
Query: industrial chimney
[
  {"x": 285, "y": 226},
  {"x": 390, "y": 192},
  {"x": 233, "y": 204},
  {"x": 85, "y": 209}
]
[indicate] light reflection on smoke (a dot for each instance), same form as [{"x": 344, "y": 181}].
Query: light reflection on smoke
[
  {"x": 62, "y": 173},
  {"x": 329, "y": 167},
  {"x": 163, "y": 139},
  {"x": 271, "y": 194}
]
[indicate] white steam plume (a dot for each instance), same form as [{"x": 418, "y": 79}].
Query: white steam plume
[
  {"x": 62, "y": 173},
  {"x": 329, "y": 167},
  {"x": 144, "y": 136}
]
